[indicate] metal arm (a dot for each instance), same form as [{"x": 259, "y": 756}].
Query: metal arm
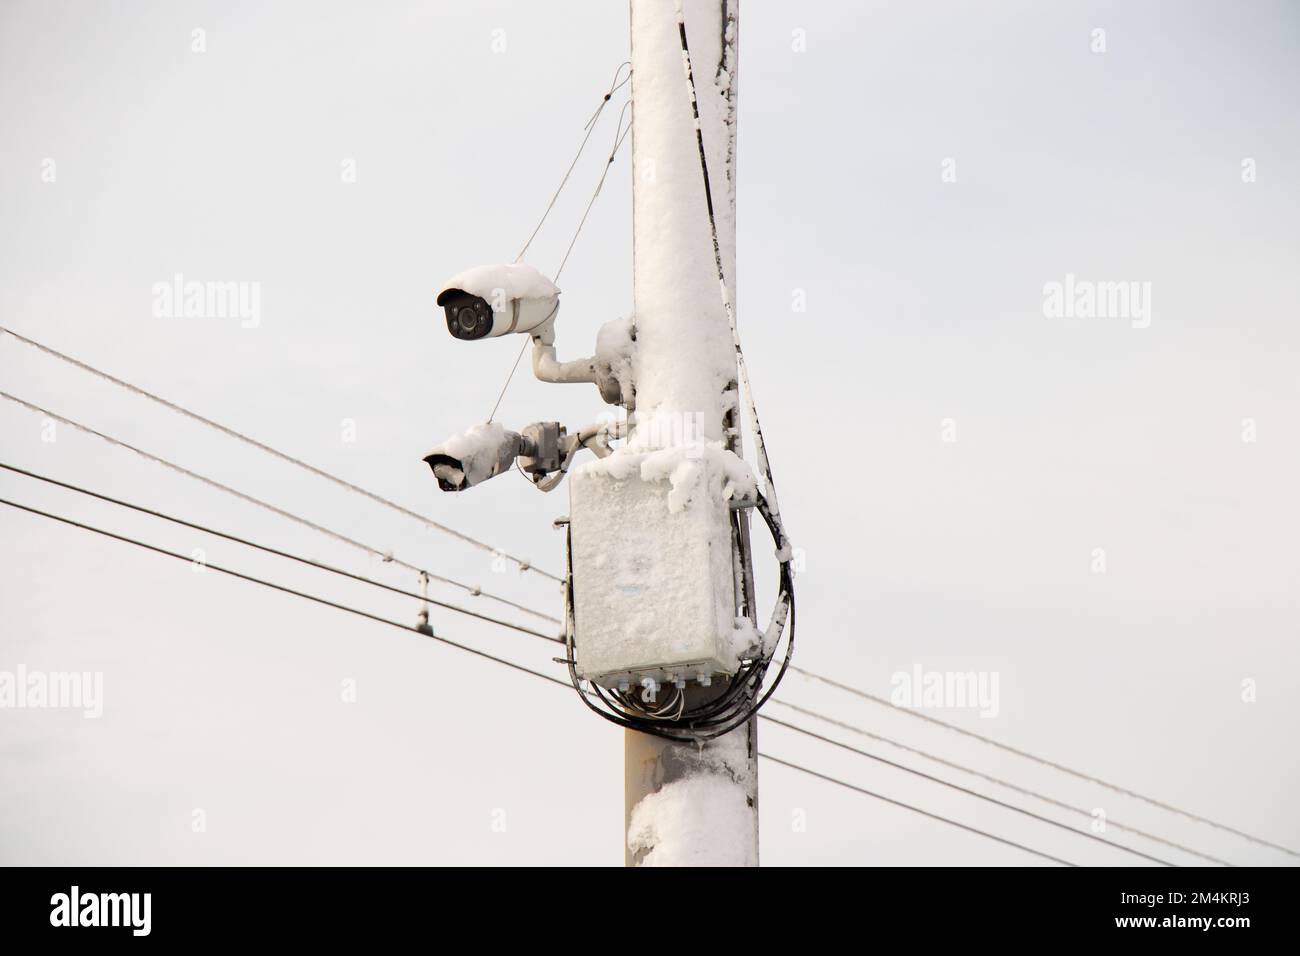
[{"x": 548, "y": 369}]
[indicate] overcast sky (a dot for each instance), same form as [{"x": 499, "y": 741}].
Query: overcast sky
[{"x": 951, "y": 458}]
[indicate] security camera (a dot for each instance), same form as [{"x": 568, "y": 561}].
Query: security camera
[
  {"x": 487, "y": 301},
  {"x": 544, "y": 452},
  {"x": 483, "y": 452}
]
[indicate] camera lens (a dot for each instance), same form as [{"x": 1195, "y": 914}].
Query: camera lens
[{"x": 468, "y": 316}]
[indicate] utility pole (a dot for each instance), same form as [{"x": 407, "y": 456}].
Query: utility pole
[{"x": 681, "y": 323}]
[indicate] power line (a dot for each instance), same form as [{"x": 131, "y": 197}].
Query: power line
[
  {"x": 288, "y": 515},
  {"x": 1045, "y": 762},
  {"x": 284, "y": 589},
  {"x": 966, "y": 790},
  {"x": 619, "y": 136},
  {"x": 510, "y": 377},
  {"x": 491, "y": 657},
  {"x": 811, "y": 713},
  {"x": 281, "y": 554},
  {"x": 927, "y": 813},
  {"x": 614, "y": 86},
  {"x": 262, "y": 446},
  {"x": 997, "y": 780}
]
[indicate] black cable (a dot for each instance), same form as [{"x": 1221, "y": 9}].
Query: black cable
[
  {"x": 740, "y": 701},
  {"x": 278, "y": 553},
  {"x": 619, "y": 135},
  {"x": 483, "y": 654},
  {"x": 614, "y": 86},
  {"x": 966, "y": 790},
  {"x": 1045, "y": 762},
  {"x": 735, "y": 689},
  {"x": 718, "y": 716},
  {"x": 284, "y": 589},
  {"x": 927, "y": 813},
  {"x": 1136, "y": 831},
  {"x": 760, "y": 446},
  {"x": 262, "y": 446},
  {"x": 274, "y": 509}
]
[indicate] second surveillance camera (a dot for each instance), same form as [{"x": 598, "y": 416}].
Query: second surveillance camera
[
  {"x": 488, "y": 301},
  {"x": 469, "y": 459}
]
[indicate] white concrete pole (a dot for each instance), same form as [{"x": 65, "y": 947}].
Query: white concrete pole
[{"x": 681, "y": 324}]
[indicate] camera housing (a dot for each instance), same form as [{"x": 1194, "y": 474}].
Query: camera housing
[
  {"x": 488, "y": 301},
  {"x": 469, "y": 459}
]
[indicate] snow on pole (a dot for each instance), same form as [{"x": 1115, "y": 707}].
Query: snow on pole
[{"x": 686, "y": 804}]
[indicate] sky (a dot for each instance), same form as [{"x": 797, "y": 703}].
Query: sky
[{"x": 1100, "y": 510}]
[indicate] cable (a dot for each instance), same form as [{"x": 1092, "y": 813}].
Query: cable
[
  {"x": 1000, "y": 782},
  {"x": 926, "y": 813},
  {"x": 760, "y": 447},
  {"x": 286, "y": 590},
  {"x": 281, "y": 554},
  {"x": 261, "y": 446},
  {"x": 679, "y": 699},
  {"x": 509, "y": 378},
  {"x": 735, "y": 705},
  {"x": 619, "y": 136},
  {"x": 483, "y": 654},
  {"x": 966, "y": 790},
  {"x": 615, "y": 86},
  {"x": 1045, "y": 762},
  {"x": 321, "y": 529},
  {"x": 739, "y": 702}
]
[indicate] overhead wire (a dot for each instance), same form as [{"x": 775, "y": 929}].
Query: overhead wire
[
  {"x": 253, "y": 579},
  {"x": 743, "y": 695},
  {"x": 274, "y": 509},
  {"x": 267, "y": 549},
  {"x": 758, "y": 434},
  {"x": 614, "y": 86},
  {"x": 510, "y": 377},
  {"x": 619, "y": 136},
  {"x": 964, "y": 790},
  {"x": 1024, "y": 791},
  {"x": 523, "y": 564},
  {"x": 899, "y": 803},
  {"x": 1115, "y": 788},
  {"x": 677, "y": 701}
]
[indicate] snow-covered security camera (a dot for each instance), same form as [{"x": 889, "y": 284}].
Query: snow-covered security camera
[
  {"x": 488, "y": 301},
  {"x": 483, "y": 452}
]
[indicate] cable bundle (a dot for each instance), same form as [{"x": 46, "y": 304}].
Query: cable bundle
[
  {"x": 739, "y": 699},
  {"x": 743, "y": 695}
]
